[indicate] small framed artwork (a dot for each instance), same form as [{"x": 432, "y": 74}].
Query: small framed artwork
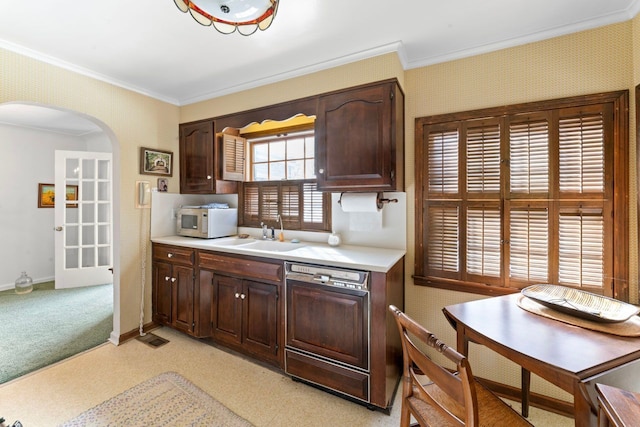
[
  {"x": 47, "y": 195},
  {"x": 156, "y": 162},
  {"x": 163, "y": 185}
]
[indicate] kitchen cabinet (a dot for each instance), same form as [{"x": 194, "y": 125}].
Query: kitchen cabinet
[
  {"x": 173, "y": 287},
  {"x": 200, "y": 160},
  {"x": 244, "y": 304},
  {"x": 359, "y": 139}
]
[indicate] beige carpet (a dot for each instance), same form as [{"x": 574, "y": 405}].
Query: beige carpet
[{"x": 166, "y": 399}]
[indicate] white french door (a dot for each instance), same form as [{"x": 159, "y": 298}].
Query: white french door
[{"x": 83, "y": 219}]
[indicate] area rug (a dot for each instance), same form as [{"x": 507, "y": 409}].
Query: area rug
[{"x": 165, "y": 400}]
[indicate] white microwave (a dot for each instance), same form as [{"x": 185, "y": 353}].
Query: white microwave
[{"x": 206, "y": 223}]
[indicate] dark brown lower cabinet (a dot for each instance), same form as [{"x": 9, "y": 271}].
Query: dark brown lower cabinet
[
  {"x": 173, "y": 287},
  {"x": 238, "y": 301},
  {"x": 244, "y": 303},
  {"x": 244, "y": 314}
]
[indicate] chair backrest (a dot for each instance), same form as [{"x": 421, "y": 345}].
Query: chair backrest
[{"x": 451, "y": 396}]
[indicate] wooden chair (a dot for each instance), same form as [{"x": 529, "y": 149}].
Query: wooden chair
[{"x": 448, "y": 398}]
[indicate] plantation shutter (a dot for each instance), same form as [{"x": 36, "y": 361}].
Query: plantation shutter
[
  {"x": 298, "y": 202},
  {"x": 313, "y": 216},
  {"x": 233, "y": 157},
  {"x": 443, "y": 251},
  {"x": 483, "y": 241},
  {"x": 443, "y": 161},
  {"x": 529, "y": 157},
  {"x": 514, "y": 199},
  {"x": 483, "y": 159},
  {"x": 529, "y": 244},
  {"x": 251, "y": 204},
  {"x": 582, "y": 153},
  {"x": 269, "y": 203}
]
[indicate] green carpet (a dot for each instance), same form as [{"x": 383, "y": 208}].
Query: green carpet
[{"x": 47, "y": 325}]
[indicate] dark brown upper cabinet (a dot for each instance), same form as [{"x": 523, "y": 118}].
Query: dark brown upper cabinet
[
  {"x": 200, "y": 160},
  {"x": 359, "y": 134}
]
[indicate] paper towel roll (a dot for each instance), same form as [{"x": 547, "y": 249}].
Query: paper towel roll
[{"x": 359, "y": 202}]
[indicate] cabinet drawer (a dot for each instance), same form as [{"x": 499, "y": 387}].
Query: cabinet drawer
[
  {"x": 330, "y": 375},
  {"x": 242, "y": 266},
  {"x": 173, "y": 254}
]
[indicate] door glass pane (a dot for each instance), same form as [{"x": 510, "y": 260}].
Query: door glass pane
[
  {"x": 88, "y": 193},
  {"x": 104, "y": 213},
  {"x": 71, "y": 215},
  {"x": 103, "y": 169},
  {"x": 104, "y": 234},
  {"x": 72, "y": 167},
  {"x": 71, "y": 236},
  {"x": 103, "y": 191},
  {"x": 104, "y": 256},
  {"x": 71, "y": 258},
  {"x": 88, "y": 236},
  {"x": 88, "y": 213},
  {"x": 88, "y": 257},
  {"x": 88, "y": 169}
]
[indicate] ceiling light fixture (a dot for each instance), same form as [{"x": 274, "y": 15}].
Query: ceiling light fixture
[{"x": 226, "y": 16}]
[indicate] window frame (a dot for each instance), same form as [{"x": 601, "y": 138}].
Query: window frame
[{"x": 619, "y": 101}]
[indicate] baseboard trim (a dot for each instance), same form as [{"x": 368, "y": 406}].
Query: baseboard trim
[
  {"x": 547, "y": 403},
  {"x": 136, "y": 332}
]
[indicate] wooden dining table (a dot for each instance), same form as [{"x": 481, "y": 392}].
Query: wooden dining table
[{"x": 567, "y": 356}]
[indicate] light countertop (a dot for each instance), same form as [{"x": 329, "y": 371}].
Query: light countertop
[{"x": 347, "y": 256}]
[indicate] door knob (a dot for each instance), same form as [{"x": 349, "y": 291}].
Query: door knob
[{"x": 58, "y": 228}]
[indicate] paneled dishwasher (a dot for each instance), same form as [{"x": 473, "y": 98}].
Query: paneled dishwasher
[{"x": 327, "y": 338}]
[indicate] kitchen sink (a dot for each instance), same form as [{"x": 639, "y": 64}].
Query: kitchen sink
[
  {"x": 272, "y": 245},
  {"x": 234, "y": 241}
]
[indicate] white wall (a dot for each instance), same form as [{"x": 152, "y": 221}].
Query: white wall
[
  {"x": 26, "y": 230},
  {"x": 391, "y": 233}
]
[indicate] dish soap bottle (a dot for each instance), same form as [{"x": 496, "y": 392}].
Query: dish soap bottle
[{"x": 24, "y": 284}]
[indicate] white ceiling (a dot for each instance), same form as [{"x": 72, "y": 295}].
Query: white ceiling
[{"x": 151, "y": 47}]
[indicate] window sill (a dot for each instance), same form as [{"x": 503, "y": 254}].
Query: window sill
[{"x": 456, "y": 285}]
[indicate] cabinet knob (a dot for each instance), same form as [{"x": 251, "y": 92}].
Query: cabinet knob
[
  {"x": 237, "y": 295},
  {"x": 166, "y": 278},
  {"x": 173, "y": 279},
  {"x": 169, "y": 255},
  {"x": 320, "y": 171},
  {"x": 208, "y": 176},
  {"x": 242, "y": 296}
]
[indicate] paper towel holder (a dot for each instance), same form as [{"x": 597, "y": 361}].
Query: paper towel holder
[{"x": 380, "y": 201}]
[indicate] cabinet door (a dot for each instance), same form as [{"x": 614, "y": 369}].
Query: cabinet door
[
  {"x": 260, "y": 319},
  {"x": 162, "y": 292},
  {"x": 183, "y": 303},
  {"x": 356, "y": 139},
  {"x": 197, "y": 173},
  {"x": 227, "y": 309}
]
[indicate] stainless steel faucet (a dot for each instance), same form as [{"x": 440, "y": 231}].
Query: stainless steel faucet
[{"x": 264, "y": 230}]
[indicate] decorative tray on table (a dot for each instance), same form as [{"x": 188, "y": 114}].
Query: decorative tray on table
[{"x": 581, "y": 304}]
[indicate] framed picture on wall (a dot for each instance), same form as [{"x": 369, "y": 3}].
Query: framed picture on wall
[
  {"x": 156, "y": 162},
  {"x": 163, "y": 184},
  {"x": 47, "y": 195}
]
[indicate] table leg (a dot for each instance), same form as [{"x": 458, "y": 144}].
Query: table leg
[
  {"x": 462, "y": 343},
  {"x": 582, "y": 406},
  {"x": 525, "y": 384}
]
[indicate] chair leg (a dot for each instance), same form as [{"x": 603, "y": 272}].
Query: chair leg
[
  {"x": 405, "y": 416},
  {"x": 525, "y": 384}
]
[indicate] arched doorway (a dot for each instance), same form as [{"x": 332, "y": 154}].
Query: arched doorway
[{"x": 67, "y": 125}]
